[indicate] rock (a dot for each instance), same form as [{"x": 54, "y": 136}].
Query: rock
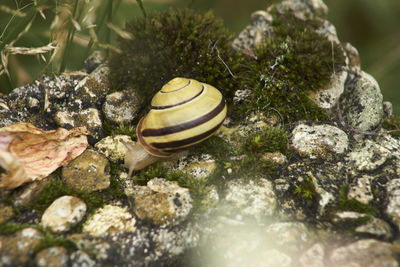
[
  {"x": 253, "y": 123},
  {"x": 63, "y": 213},
  {"x": 93, "y": 88},
  {"x": 17, "y": 249},
  {"x": 80, "y": 258},
  {"x": 328, "y": 96},
  {"x": 393, "y": 206},
  {"x": 251, "y": 198},
  {"x": 197, "y": 166},
  {"x": 121, "y": 107},
  {"x": 31, "y": 191},
  {"x": 256, "y": 33},
  {"x": 354, "y": 58},
  {"x": 302, "y": 9},
  {"x": 241, "y": 96},
  {"x": 364, "y": 103},
  {"x": 361, "y": 190},
  {"x": 292, "y": 236},
  {"x": 318, "y": 140},
  {"x": 276, "y": 157},
  {"x": 373, "y": 152},
  {"x": 6, "y": 212},
  {"x": 113, "y": 148},
  {"x": 94, "y": 60},
  {"x": 364, "y": 253},
  {"x": 108, "y": 220},
  {"x": 328, "y": 30},
  {"x": 160, "y": 202},
  {"x": 364, "y": 224},
  {"x": 313, "y": 257},
  {"x": 90, "y": 165},
  {"x": 52, "y": 257}
]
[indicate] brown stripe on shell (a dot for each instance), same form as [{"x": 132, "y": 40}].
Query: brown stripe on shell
[
  {"x": 180, "y": 103},
  {"x": 146, "y": 146},
  {"x": 177, "y": 89},
  {"x": 186, "y": 125},
  {"x": 179, "y": 143}
]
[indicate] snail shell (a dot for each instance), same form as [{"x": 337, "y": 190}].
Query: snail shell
[{"x": 184, "y": 112}]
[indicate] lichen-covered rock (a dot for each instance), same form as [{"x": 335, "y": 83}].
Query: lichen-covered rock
[
  {"x": 314, "y": 256},
  {"x": 160, "y": 202},
  {"x": 373, "y": 151},
  {"x": 94, "y": 60},
  {"x": 251, "y": 198},
  {"x": 361, "y": 190},
  {"x": 318, "y": 140},
  {"x": 17, "y": 249},
  {"x": 80, "y": 258},
  {"x": 121, "y": 107},
  {"x": 108, "y": 220},
  {"x": 328, "y": 96},
  {"x": 292, "y": 236},
  {"x": 256, "y": 33},
  {"x": 89, "y": 171},
  {"x": 197, "y": 166},
  {"x": 364, "y": 253},
  {"x": 6, "y": 212},
  {"x": 363, "y": 105},
  {"x": 63, "y": 213},
  {"x": 354, "y": 58},
  {"x": 52, "y": 257},
  {"x": 364, "y": 224},
  {"x": 393, "y": 206},
  {"x": 302, "y": 9},
  {"x": 113, "y": 147}
]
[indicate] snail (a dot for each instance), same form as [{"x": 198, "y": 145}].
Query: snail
[{"x": 183, "y": 113}]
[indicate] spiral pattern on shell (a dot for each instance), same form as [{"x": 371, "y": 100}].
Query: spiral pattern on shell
[{"x": 184, "y": 112}]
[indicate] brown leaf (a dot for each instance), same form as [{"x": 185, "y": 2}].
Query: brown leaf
[{"x": 28, "y": 153}]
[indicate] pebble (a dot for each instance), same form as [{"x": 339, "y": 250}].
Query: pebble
[
  {"x": 361, "y": 190},
  {"x": 121, "y": 107},
  {"x": 160, "y": 202},
  {"x": 52, "y": 257},
  {"x": 63, "y": 213},
  {"x": 6, "y": 212},
  {"x": 314, "y": 256},
  {"x": 113, "y": 147},
  {"x": 198, "y": 166},
  {"x": 318, "y": 140},
  {"x": 393, "y": 206},
  {"x": 108, "y": 220},
  {"x": 90, "y": 165},
  {"x": 328, "y": 96}
]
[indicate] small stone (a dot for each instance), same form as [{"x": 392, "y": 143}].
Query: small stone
[
  {"x": 364, "y": 253},
  {"x": 113, "y": 147},
  {"x": 313, "y": 257},
  {"x": 364, "y": 224},
  {"x": 197, "y": 166},
  {"x": 52, "y": 257},
  {"x": 94, "y": 60},
  {"x": 353, "y": 56},
  {"x": 328, "y": 96},
  {"x": 361, "y": 191},
  {"x": 364, "y": 103},
  {"x": 318, "y": 140},
  {"x": 393, "y": 206},
  {"x": 301, "y": 9},
  {"x": 17, "y": 249},
  {"x": 293, "y": 236},
  {"x": 89, "y": 171},
  {"x": 121, "y": 107},
  {"x": 63, "y": 213},
  {"x": 160, "y": 202},
  {"x": 6, "y": 213},
  {"x": 387, "y": 109},
  {"x": 241, "y": 96},
  {"x": 253, "y": 198},
  {"x": 276, "y": 157},
  {"x": 31, "y": 191},
  {"x": 81, "y": 259},
  {"x": 110, "y": 219}
]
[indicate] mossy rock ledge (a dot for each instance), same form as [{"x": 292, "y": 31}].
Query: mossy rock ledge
[{"x": 303, "y": 172}]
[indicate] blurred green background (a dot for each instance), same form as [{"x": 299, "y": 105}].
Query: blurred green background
[{"x": 373, "y": 27}]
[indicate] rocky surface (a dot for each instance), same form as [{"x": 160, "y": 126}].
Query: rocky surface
[{"x": 331, "y": 197}]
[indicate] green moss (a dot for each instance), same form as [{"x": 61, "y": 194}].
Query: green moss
[
  {"x": 215, "y": 146},
  {"x": 293, "y": 63},
  {"x": 9, "y": 228},
  {"x": 352, "y": 204},
  {"x": 50, "y": 240},
  {"x": 57, "y": 188},
  {"x": 116, "y": 189},
  {"x": 392, "y": 124},
  {"x": 122, "y": 129},
  {"x": 173, "y": 43},
  {"x": 271, "y": 139},
  {"x": 306, "y": 189}
]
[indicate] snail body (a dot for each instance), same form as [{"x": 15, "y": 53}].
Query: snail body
[{"x": 183, "y": 113}]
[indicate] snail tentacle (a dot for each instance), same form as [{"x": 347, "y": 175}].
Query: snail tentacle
[{"x": 137, "y": 158}]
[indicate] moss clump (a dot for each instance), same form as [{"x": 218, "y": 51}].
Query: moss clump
[
  {"x": 122, "y": 129},
  {"x": 306, "y": 189},
  {"x": 392, "y": 124},
  {"x": 290, "y": 65},
  {"x": 271, "y": 139},
  {"x": 57, "y": 188},
  {"x": 9, "y": 228},
  {"x": 352, "y": 204},
  {"x": 173, "y": 43}
]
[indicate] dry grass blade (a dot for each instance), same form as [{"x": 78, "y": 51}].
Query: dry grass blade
[
  {"x": 120, "y": 32},
  {"x": 30, "y": 51},
  {"x": 13, "y": 12}
]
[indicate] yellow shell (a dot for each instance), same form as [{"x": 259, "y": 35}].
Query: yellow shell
[{"x": 184, "y": 112}]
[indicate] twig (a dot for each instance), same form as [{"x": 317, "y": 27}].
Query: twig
[{"x": 219, "y": 57}]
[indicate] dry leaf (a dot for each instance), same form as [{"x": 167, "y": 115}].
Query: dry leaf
[{"x": 28, "y": 153}]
